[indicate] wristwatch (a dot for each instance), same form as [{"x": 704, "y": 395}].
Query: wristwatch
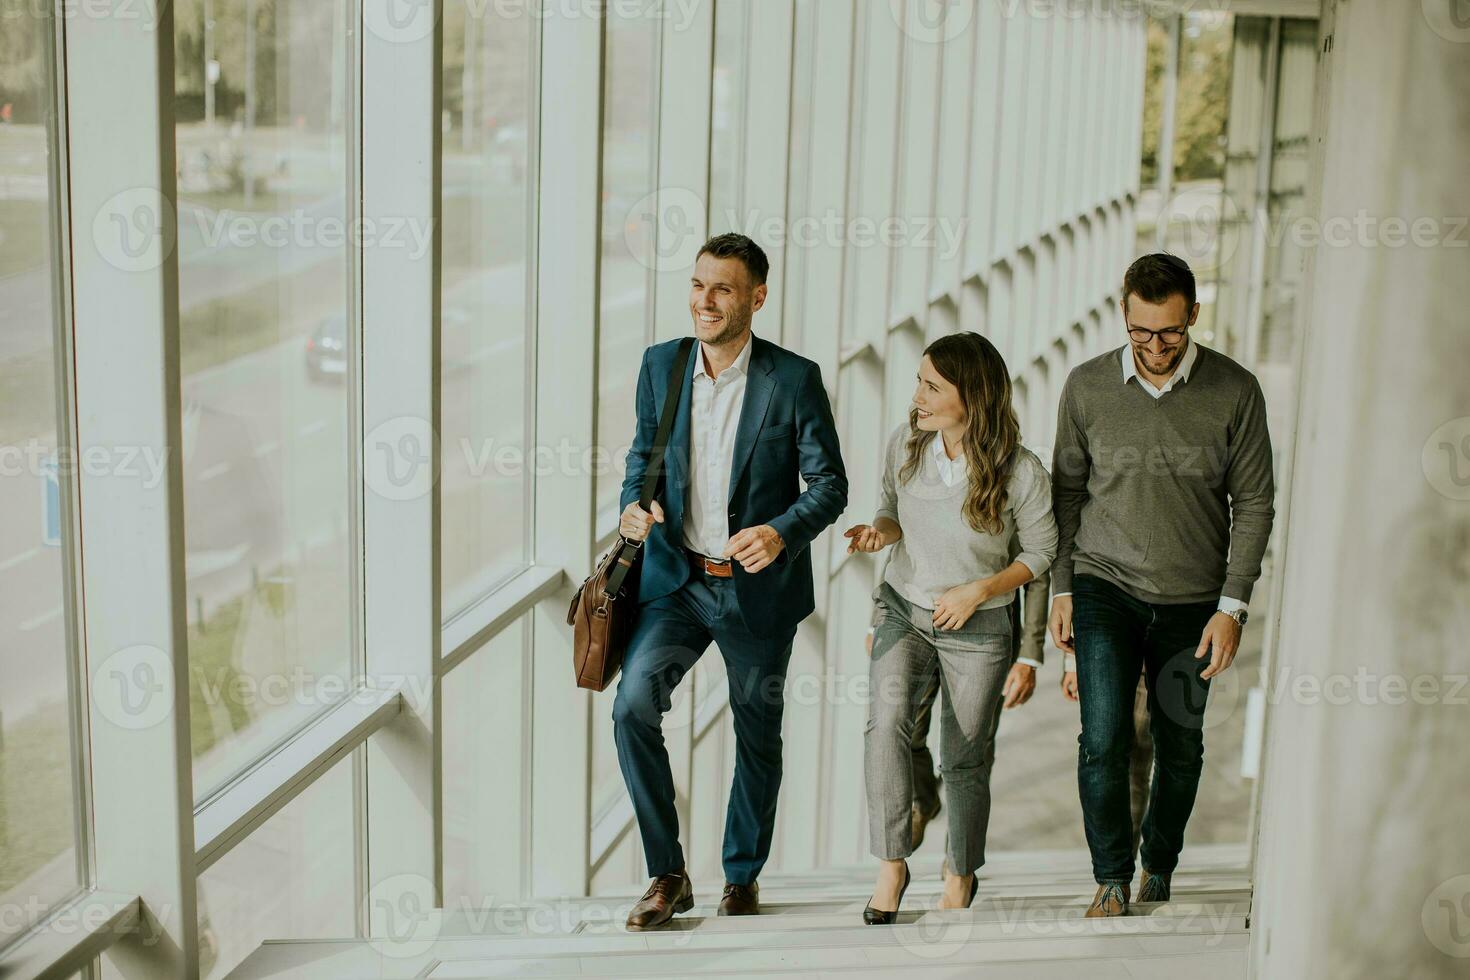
[{"x": 1240, "y": 616}]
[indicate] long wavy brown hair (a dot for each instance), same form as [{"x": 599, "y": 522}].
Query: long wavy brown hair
[{"x": 993, "y": 433}]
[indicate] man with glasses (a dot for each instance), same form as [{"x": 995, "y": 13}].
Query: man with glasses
[{"x": 1163, "y": 493}]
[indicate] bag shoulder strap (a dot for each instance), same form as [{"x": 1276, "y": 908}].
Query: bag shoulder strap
[
  {"x": 665, "y": 423},
  {"x": 613, "y": 584}
]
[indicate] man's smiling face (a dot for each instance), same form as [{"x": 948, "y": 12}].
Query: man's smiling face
[
  {"x": 722, "y": 299},
  {"x": 1155, "y": 356}
]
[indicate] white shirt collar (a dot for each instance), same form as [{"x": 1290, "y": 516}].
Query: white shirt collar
[
  {"x": 1180, "y": 376},
  {"x": 936, "y": 446},
  {"x": 950, "y": 470},
  {"x": 742, "y": 360}
]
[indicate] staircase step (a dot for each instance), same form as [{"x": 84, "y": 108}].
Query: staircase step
[
  {"x": 794, "y": 900},
  {"x": 832, "y": 913},
  {"x": 1025, "y": 931},
  {"x": 899, "y": 948},
  {"x": 1027, "y": 922}
]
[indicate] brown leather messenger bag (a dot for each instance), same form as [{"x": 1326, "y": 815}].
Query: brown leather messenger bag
[{"x": 605, "y": 606}]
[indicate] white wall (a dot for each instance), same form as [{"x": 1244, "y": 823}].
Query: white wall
[{"x": 1364, "y": 864}]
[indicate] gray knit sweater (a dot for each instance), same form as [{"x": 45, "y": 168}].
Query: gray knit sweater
[
  {"x": 1169, "y": 498},
  {"x": 939, "y": 550}
]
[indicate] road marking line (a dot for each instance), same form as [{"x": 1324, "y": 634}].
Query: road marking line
[
  {"x": 45, "y": 617},
  {"x": 266, "y": 448},
  {"x": 218, "y": 469},
  {"x": 26, "y": 555},
  {"x": 310, "y": 428}
]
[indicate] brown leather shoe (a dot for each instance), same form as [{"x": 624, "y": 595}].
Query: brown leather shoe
[
  {"x": 741, "y": 899},
  {"x": 666, "y": 895},
  {"x": 1152, "y": 887},
  {"x": 918, "y": 821},
  {"x": 1111, "y": 900}
]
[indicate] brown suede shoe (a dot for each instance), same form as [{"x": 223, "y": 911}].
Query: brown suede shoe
[
  {"x": 666, "y": 895},
  {"x": 741, "y": 899},
  {"x": 1110, "y": 900},
  {"x": 919, "y": 821},
  {"x": 1152, "y": 887}
]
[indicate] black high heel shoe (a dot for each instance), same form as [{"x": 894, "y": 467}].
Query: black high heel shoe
[
  {"x": 873, "y": 917},
  {"x": 974, "y": 881}
]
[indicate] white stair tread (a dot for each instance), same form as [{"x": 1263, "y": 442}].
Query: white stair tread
[
  {"x": 904, "y": 948},
  {"x": 1027, "y": 921}
]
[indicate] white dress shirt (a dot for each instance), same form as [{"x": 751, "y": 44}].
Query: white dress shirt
[
  {"x": 714, "y": 416},
  {"x": 1180, "y": 376},
  {"x": 952, "y": 471}
]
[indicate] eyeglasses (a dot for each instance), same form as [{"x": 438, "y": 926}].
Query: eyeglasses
[{"x": 1169, "y": 335}]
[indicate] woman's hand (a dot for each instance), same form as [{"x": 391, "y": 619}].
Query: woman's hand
[
  {"x": 866, "y": 537},
  {"x": 1020, "y": 684},
  {"x": 1069, "y": 685},
  {"x": 957, "y": 605}
]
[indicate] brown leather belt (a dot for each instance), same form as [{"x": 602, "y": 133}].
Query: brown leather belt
[{"x": 703, "y": 563}]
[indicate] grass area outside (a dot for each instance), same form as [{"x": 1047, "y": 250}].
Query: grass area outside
[
  {"x": 27, "y": 396},
  {"x": 211, "y": 661},
  {"x": 221, "y": 330},
  {"x": 24, "y": 235},
  {"x": 36, "y": 807},
  {"x": 23, "y": 150}
]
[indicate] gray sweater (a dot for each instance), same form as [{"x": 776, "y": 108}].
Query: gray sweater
[
  {"x": 1171, "y": 499},
  {"x": 939, "y": 549}
]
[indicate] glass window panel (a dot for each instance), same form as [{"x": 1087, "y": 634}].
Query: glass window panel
[
  {"x": 489, "y": 168},
  {"x": 294, "y": 878},
  {"x": 486, "y": 726},
  {"x": 727, "y": 118},
  {"x": 629, "y": 159},
  {"x": 799, "y": 177},
  {"x": 262, "y": 107},
  {"x": 38, "y": 810}
]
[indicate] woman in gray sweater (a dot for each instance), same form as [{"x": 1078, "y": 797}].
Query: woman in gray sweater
[{"x": 957, "y": 486}]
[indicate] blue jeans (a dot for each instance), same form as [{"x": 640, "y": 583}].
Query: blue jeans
[
  {"x": 1118, "y": 635},
  {"x": 670, "y": 635}
]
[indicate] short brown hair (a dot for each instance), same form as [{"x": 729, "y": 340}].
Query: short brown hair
[
  {"x": 733, "y": 245},
  {"x": 1155, "y": 277}
]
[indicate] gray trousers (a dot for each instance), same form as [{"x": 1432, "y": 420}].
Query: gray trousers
[
  {"x": 972, "y": 664},
  {"x": 926, "y": 780}
]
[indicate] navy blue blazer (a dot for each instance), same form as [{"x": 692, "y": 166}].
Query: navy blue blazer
[{"x": 785, "y": 432}]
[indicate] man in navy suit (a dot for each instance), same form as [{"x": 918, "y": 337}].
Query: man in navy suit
[{"x": 725, "y": 559}]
